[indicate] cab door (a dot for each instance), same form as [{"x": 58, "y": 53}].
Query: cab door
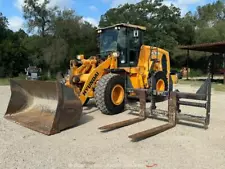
[{"x": 134, "y": 46}]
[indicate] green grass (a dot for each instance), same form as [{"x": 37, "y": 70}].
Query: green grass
[
  {"x": 219, "y": 87},
  {"x": 190, "y": 82},
  {"x": 4, "y": 81}
]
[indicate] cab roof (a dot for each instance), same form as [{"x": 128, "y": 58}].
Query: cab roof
[{"x": 125, "y": 25}]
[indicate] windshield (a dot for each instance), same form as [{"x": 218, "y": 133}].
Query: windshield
[
  {"x": 113, "y": 40},
  {"x": 108, "y": 41}
]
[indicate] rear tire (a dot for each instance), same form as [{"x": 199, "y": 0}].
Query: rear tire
[
  {"x": 107, "y": 102},
  {"x": 160, "y": 77}
]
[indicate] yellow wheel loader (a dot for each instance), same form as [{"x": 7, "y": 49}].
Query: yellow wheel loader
[{"x": 123, "y": 63}]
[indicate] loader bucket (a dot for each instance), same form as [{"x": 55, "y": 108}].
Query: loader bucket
[{"x": 46, "y": 107}]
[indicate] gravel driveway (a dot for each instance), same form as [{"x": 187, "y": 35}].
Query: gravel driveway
[{"x": 182, "y": 147}]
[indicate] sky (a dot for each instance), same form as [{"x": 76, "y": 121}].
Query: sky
[{"x": 91, "y": 10}]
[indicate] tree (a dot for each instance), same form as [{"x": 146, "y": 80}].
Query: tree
[
  {"x": 13, "y": 55},
  {"x": 3, "y": 21},
  {"x": 3, "y": 26},
  {"x": 63, "y": 35},
  {"x": 208, "y": 15},
  {"x": 59, "y": 35},
  {"x": 161, "y": 21},
  {"x": 38, "y": 16},
  {"x": 210, "y": 22},
  {"x": 187, "y": 31},
  {"x": 76, "y": 32},
  {"x": 75, "y": 35}
]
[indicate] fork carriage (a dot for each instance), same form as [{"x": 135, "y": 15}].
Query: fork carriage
[{"x": 173, "y": 115}]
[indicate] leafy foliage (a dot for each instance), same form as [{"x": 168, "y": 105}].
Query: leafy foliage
[
  {"x": 166, "y": 28},
  {"x": 63, "y": 34},
  {"x": 160, "y": 20},
  {"x": 38, "y": 16},
  {"x": 56, "y": 36},
  {"x": 13, "y": 55}
]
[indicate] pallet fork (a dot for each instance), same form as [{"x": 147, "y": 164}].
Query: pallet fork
[{"x": 173, "y": 114}]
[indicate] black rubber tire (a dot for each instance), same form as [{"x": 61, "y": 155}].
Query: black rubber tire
[
  {"x": 103, "y": 94},
  {"x": 158, "y": 76}
]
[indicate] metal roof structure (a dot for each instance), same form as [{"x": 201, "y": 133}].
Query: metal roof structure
[
  {"x": 216, "y": 47},
  {"x": 125, "y": 25}
]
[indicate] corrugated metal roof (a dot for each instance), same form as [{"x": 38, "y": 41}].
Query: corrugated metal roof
[
  {"x": 126, "y": 25},
  {"x": 216, "y": 47}
]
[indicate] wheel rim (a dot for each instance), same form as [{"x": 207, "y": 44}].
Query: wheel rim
[
  {"x": 160, "y": 85},
  {"x": 117, "y": 94}
]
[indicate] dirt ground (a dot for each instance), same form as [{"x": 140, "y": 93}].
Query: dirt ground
[{"x": 86, "y": 147}]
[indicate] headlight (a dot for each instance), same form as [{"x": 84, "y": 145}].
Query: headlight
[
  {"x": 115, "y": 54},
  {"x": 78, "y": 57}
]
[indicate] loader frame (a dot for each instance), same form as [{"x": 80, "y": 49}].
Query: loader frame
[
  {"x": 129, "y": 56},
  {"x": 173, "y": 115}
]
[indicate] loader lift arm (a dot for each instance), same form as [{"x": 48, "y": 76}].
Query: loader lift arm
[{"x": 95, "y": 75}]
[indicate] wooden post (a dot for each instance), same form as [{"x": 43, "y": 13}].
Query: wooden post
[
  {"x": 212, "y": 65},
  {"x": 188, "y": 53},
  {"x": 212, "y": 73},
  {"x": 208, "y": 66},
  {"x": 223, "y": 68}
]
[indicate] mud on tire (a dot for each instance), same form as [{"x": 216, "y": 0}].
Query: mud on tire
[{"x": 103, "y": 94}]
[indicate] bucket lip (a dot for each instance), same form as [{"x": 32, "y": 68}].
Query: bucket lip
[{"x": 45, "y": 132}]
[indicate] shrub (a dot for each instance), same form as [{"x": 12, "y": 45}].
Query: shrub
[{"x": 196, "y": 73}]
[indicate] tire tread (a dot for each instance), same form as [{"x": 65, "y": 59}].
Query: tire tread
[{"x": 100, "y": 92}]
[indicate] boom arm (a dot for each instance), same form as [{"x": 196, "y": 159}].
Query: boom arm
[{"x": 95, "y": 75}]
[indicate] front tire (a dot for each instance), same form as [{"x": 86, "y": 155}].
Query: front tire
[{"x": 110, "y": 94}]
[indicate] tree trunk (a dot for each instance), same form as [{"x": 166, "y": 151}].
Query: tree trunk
[{"x": 49, "y": 73}]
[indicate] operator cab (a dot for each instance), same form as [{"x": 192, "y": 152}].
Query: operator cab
[{"x": 126, "y": 39}]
